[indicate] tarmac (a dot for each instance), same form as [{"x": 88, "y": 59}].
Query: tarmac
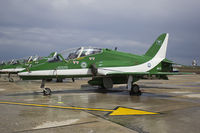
[{"x": 76, "y": 107}]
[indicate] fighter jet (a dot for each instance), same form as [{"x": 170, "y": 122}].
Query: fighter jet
[
  {"x": 2, "y": 64},
  {"x": 17, "y": 65},
  {"x": 106, "y": 67}
]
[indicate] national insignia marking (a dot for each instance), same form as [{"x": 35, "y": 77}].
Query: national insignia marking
[
  {"x": 149, "y": 64},
  {"x": 83, "y": 64}
]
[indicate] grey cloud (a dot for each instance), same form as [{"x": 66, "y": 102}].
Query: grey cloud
[{"x": 43, "y": 26}]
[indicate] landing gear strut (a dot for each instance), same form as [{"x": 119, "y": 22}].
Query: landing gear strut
[
  {"x": 46, "y": 91},
  {"x": 9, "y": 78},
  {"x": 134, "y": 89}
]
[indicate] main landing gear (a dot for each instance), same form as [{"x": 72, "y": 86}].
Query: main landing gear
[
  {"x": 133, "y": 89},
  {"x": 46, "y": 91},
  {"x": 9, "y": 78}
]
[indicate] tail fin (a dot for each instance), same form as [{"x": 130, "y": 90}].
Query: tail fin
[
  {"x": 52, "y": 54},
  {"x": 159, "y": 47}
]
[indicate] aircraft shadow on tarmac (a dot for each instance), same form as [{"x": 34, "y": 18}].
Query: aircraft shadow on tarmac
[
  {"x": 89, "y": 89},
  {"x": 157, "y": 87},
  {"x": 83, "y": 89}
]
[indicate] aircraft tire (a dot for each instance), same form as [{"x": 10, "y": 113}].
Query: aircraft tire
[
  {"x": 135, "y": 90},
  {"x": 107, "y": 83},
  {"x": 47, "y": 91}
]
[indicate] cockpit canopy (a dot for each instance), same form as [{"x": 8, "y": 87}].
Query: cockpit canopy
[
  {"x": 2, "y": 63},
  {"x": 75, "y": 53},
  {"x": 83, "y": 51},
  {"x": 24, "y": 60}
]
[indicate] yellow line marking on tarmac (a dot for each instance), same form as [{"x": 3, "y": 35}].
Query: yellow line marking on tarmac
[
  {"x": 117, "y": 111},
  {"x": 54, "y": 106}
]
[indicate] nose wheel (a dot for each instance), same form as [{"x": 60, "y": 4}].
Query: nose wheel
[{"x": 46, "y": 91}]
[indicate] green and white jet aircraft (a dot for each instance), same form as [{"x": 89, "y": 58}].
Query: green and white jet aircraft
[
  {"x": 14, "y": 66},
  {"x": 17, "y": 65},
  {"x": 106, "y": 66}
]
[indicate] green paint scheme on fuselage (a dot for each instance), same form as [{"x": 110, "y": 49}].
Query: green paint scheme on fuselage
[
  {"x": 107, "y": 58},
  {"x": 11, "y": 66},
  {"x": 20, "y": 65},
  {"x": 109, "y": 63}
]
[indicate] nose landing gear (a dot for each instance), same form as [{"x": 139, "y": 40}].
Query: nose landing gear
[
  {"x": 9, "y": 78},
  {"x": 46, "y": 91}
]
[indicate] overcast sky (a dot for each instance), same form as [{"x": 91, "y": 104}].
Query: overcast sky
[{"x": 29, "y": 27}]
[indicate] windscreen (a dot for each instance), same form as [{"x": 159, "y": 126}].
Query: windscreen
[
  {"x": 80, "y": 52},
  {"x": 55, "y": 58},
  {"x": 2, "y": 63}
]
